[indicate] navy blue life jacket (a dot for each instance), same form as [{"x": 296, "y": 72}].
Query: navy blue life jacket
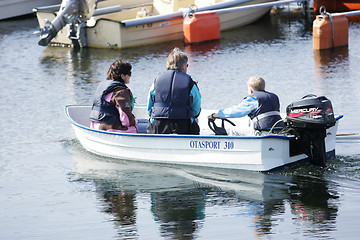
[
  {"x": 172, "y": 98},
  {"x": 268, "y": 112},
  {"x": 103, "y": 111}
]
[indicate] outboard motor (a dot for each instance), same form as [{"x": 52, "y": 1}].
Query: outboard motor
[
  {"x": 72, "y": 12},
  {"x": 308, "y": 120}
]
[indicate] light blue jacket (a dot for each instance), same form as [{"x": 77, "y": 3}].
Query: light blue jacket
[{"x": 246, "y": 106}]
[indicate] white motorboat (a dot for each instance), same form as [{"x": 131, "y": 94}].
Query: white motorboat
[
  {"x": 123, "y": 24},
  {"x": 17, "y": 8},
  {"x": 258, "y": 153}
]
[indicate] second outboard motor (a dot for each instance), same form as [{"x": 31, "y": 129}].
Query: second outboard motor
[
  {"x": 308, "y": 119},
  {"x": 72, "y": 12}
]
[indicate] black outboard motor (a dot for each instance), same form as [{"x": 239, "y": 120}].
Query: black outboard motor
[{"x": 308, "y": 120}]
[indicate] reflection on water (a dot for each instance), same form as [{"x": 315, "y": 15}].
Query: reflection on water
[
  {"x": 313, "y": 201},
  {"x": 181, "y": 198},
  {"x": 179, "y": 213},
  {"x": 15, "y": 25},
  {"x": 206, "y": 49},
  {"x": 121, "y": 204},
  {"x": 330, "y": 62}
]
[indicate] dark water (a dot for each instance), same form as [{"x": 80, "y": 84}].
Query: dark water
[{"x": 51, "y": 188}]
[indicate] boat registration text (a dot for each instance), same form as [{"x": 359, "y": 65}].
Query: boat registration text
[{"x": 212, "y": 144}]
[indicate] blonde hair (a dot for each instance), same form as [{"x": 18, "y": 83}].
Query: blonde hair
[
  {"x": 176, "y": 60},
  {"x": 256, "y": 83}
]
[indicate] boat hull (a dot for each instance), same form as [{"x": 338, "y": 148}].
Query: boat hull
[{"x": 260, "y": 153}]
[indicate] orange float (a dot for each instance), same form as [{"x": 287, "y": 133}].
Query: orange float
[
  {"x": 201, "y": 27},
  {"x": 330, "y": 31}
]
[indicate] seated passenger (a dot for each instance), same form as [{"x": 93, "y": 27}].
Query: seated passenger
[
  {"x": 113, "y": 101},
  {"x": 261, "y": 106},
  {"x": 174, "y": 100}
]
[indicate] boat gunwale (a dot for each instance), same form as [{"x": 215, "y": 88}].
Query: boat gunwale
[
  {"x": 178, "y": 14},
  {"x": 72, "y": 121},
  {"x": 48, "y": 9}
]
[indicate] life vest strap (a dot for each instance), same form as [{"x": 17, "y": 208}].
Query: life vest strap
[{"x": 264, "y": 115}]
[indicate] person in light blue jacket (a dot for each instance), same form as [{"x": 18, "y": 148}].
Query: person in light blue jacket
[
  {"x": 174, "y": 100},
  {"x": 261, "y": 106}
]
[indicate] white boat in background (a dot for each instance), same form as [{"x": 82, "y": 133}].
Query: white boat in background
[
  {"x": 116, "y": 24},
  {"x": 17, "y": 8},
  {"x": 257, "y": 153}
]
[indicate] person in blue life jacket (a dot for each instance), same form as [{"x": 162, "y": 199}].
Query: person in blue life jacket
[
  {"x": 261, "y": 106},
  {"x": 174, "y": 100},
  {"x": 113, "y": 102}
]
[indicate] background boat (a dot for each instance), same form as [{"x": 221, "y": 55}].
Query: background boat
[
  {"x": 16, "y": 8},
  {"x": 117, "y": 25},
  {"x": 335, "y": 6}
]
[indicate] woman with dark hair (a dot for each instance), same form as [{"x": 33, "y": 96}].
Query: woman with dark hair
[{"x": 113, "y": 102}]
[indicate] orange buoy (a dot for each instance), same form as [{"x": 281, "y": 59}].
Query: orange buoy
[
  {"x": 330, "y": 31},
  {"x": 201, "y": 27}
]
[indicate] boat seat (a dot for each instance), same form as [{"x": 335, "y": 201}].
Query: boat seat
[{"x": 142, "y": 125}]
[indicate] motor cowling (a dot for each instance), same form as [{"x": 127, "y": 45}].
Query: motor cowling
[
  {"x": 308, "y": 119},
  {"x": 311, "y": 112}
]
